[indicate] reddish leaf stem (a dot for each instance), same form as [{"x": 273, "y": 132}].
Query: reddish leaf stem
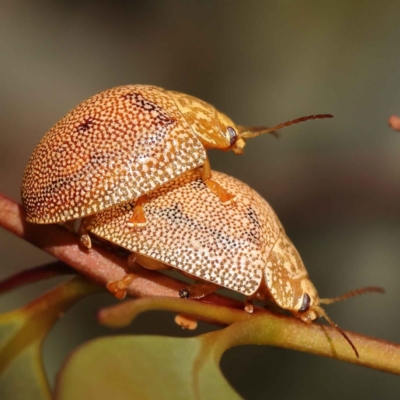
[{"x": 32, "y": 275}]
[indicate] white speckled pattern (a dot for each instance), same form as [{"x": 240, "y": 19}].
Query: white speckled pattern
[
  {"x": 112, "y": 148},
  {"x": 285, "y": 272},
  {"x": 189, "y": 229}
]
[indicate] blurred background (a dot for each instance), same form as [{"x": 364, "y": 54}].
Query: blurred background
[{"x": 334, "y": 183}]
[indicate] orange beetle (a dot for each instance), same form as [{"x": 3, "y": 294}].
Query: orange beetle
[
  {"x": 120, "y": 145},
  {"x": 244, "y": 248}
]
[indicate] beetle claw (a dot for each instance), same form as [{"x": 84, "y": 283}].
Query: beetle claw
[{"x": 229, "y": 201}]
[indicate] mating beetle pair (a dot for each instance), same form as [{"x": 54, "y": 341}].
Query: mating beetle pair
[{"x": 126, "y": 161}]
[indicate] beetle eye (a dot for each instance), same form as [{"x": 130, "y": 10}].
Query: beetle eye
[
  {"x": 305, "y": 305},
  {"x": 232, "y": 135}
]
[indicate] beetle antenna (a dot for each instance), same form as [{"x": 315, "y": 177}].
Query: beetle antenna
[
  {"x": 250, "y": 132},
  {"x": 253, "y": 131},
  {"x": 321, "y": 312},
  {"x": 353, "y": 293}
]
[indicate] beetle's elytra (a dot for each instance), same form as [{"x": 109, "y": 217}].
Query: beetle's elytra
[
  {"x": 243, "y": 248},
  {"x": 123, "y": 143}
]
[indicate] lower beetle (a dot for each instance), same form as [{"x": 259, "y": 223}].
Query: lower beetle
[{"x": 243, "y": 248}]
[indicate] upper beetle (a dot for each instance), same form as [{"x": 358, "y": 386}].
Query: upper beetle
[{"x": 121, "y": 144}]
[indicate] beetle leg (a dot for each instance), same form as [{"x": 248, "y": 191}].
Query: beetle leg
[
  {"x": 83, "y": 235},
  {"x": 138, "y": 219},
  {"x": 118, "y": 288},
  {"x": 225, "y": 197},
  {"x": 186, "y": 322},
  {"x": 147, "y": 262},
  {"x": 198, "y": 290}
]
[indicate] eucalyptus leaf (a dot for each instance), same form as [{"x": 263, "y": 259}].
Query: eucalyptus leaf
[
  {"x": 22, "y": 333},
  {"x": 21, "y": 371},
  {"x": 144, "y": 367}
]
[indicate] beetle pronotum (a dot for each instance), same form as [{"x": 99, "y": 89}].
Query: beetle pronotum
[
  {"x": 243, "y": 248},
  {"x": 120, "y": 145}
]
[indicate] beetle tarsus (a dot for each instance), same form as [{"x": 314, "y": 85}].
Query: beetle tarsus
[
  {"x": 225, "y": 197},
  {"x": 84, "y": 237},
  {"x": 118, "y": 288},
  {"x": 138, "y": 219}
]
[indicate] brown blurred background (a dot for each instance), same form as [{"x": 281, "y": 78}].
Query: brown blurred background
[{"x": 334, "y": 183}]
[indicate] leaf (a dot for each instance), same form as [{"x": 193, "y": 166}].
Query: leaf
[
  {"x": 144, "y": 367},
  {"x": 22, "y": 333},
  {"x": 20, "y": 364}
]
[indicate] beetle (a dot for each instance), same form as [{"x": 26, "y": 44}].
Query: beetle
[
  {"x": 244, "y": 249},
  {"x": 121, "y": 144}
]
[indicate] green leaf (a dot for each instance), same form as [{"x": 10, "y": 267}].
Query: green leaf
[
  {"x": 147, "y": 367},
  {"x": 22, "y": 333},
  {"x": 20, "y": 360},
  {"x": 144, "y": 367}
]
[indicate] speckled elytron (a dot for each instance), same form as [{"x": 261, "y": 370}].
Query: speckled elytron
[
  {"x": 243, "y": 248},
  {"x": 121, "y": 144}
]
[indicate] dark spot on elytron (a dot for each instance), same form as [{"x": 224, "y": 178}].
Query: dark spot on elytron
[
  {"x": 198, "y": 185},
  {"x": 162, "y": 116},
  {"x": 84, "y": 126},
  {"x": 253, "y": 235},
  {"x": 253, "y": 216},
  {"x": 305, "y": 304},
  {"x": 184, "y": 293},
  {"x": 58, "y": 184}
]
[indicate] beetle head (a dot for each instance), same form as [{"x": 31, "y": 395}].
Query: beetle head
[
  {"x": 287, "y": 280},
  {"x": 289, "y": 286},
  {"x": 306, "y": 307},
  {"x": 214, "y": 129}
]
